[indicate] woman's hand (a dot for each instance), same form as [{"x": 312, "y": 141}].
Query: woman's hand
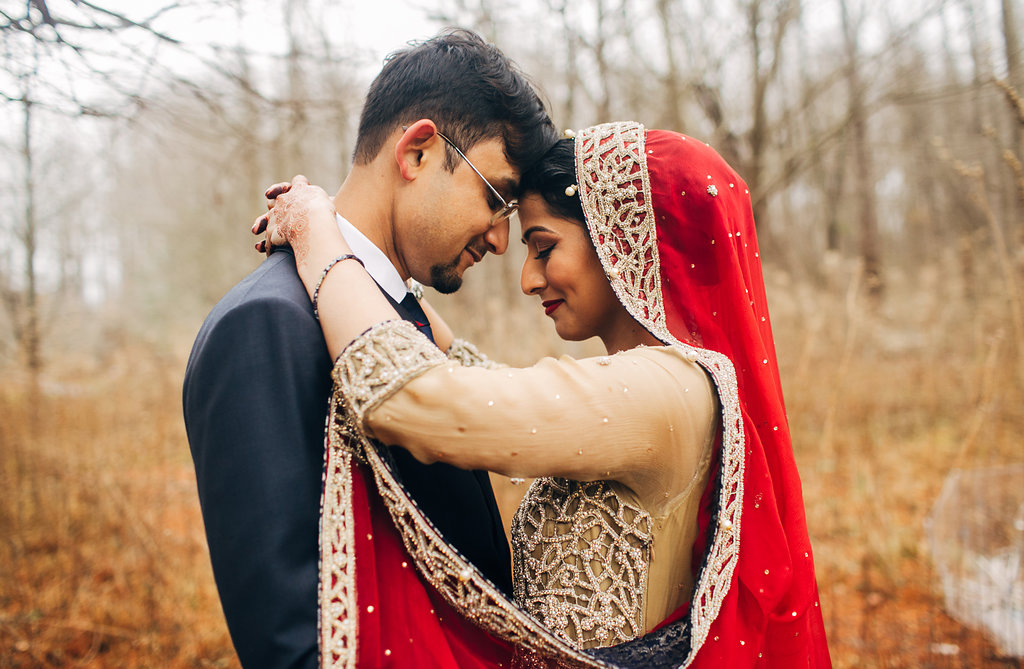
[{"x": 295, "y": 208}]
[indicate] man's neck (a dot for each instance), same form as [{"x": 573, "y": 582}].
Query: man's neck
[{"x": 362, "y": 203}]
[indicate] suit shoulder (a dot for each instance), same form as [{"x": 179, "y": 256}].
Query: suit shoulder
[
  {"x": 271, "y": 299},
  {"x": 274, "y": 283}
]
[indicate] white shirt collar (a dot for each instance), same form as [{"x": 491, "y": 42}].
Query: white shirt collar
[{"x": 376, "y": 263}]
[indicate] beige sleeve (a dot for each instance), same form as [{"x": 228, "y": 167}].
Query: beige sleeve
[{"x": 642, "y": 417}]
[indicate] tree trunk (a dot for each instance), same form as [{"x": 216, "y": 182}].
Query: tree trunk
[
  {"x": 673, "y": 89},
  {"x": 863, "y": 170},
  {"x": 604, "y": 104},
  {"x": 31, "y": 341},
  {"x": 293, "y": 154},
  {"x": 763, "y": 75},
  {"x": 756, "y": 136},
  {"x": 1012, "y": 207},
  {"x": 1014, "y": 69},
  {"x": 572, "y": 75}
]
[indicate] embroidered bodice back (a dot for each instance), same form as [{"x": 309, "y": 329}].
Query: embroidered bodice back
[{"x": 581, "y": 555}]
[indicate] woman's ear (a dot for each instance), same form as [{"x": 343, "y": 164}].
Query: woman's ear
[{"x": 417, "y": 140}]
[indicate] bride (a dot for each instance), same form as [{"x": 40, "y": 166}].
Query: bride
[{"x": 666, "y": 525}]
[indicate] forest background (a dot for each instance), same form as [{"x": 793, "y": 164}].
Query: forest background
[{"x": 882, "y": 143}]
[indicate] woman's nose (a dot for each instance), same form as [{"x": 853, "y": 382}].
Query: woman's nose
[{"x": 532, "y": 279}]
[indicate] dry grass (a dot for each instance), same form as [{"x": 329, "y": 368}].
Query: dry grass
[{"x": 103, "y": 562}]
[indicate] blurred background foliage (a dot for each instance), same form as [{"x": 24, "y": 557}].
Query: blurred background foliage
[{"x": 882, "y": 143}]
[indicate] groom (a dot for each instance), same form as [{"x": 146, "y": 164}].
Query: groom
[{"x": 259, "y": 474}]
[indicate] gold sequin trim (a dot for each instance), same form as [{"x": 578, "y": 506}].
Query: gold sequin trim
[
  {"x": 468, "y": 355},
  {"x": 615, "y": 191},
  {"x": 337, "y": 589},
  {"x": 371, "y": 369},
  {"x": 379, "y": 362}
]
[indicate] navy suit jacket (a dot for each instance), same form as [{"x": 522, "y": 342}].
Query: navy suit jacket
[{"x": 255, "y": 401}]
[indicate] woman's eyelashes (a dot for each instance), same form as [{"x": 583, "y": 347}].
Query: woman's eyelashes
[{"x": 543, "y": 252}]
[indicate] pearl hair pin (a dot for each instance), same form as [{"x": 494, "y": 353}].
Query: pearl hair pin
[{"x": 570, "y": 190}]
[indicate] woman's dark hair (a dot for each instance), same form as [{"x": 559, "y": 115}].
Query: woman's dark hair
[
  {"x": 468, "y": 88},
  {"x": 551, "y": 176}
]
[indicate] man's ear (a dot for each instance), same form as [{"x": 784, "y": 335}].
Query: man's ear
[{"x": 418, "y": 140}]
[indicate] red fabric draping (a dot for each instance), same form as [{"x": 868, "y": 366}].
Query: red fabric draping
[
  {"x": 402, "y": 621},
  {"x": 714, "y": 297}
]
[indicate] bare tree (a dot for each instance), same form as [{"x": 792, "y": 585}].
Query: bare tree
[
  {"x": 83, "y": 35},
  {"x": 765, "y": 63},
  {"x": 26, "y": 313},
  {"x": 1014, "y": 67},
  {"x": 864, "y": 185}
]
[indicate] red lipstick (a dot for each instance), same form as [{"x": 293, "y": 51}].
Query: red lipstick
[{"x": 551, "y": 305}]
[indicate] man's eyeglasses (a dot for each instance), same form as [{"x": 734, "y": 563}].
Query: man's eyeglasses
[{"x": 507, "y": 208}]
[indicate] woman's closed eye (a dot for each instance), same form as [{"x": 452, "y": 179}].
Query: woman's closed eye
[{"x": 543, "y": 252}]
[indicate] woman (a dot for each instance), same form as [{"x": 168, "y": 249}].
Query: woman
[{"x": 629, "y": 546}]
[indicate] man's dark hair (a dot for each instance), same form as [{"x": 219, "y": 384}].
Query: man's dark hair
[
  {"x": 549, "y": 178},
  {"x": 468, "y": 88}
]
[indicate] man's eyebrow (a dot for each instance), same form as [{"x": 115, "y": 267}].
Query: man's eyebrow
[
  {"x": 508, "y": 187},
  {"x": 531, "y": 230}
]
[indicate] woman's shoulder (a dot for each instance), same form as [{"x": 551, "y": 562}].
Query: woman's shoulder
[
  {"x": 649, "y": 363},
  {"x": 672, "y": 358}
]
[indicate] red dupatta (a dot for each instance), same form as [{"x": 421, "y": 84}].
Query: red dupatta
[
  {"x": 673, "y": 227},
  {"x": 675, "y": 231}
]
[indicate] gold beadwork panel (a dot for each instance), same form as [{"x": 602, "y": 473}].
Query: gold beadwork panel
[
  {"x": 581, "y": 556},
  {"x": 370, "y": 369}
]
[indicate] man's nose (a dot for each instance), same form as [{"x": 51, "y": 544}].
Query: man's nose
[{"x": 497, "y": 237}]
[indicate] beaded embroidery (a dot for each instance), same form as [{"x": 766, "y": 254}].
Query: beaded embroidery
[
  {"x": 616, "y": 196},
  {"x": 379, "y": 362},
  {"x": 468, "y": 355},
  {"x": 337, "y": 591},
  {"x": 581, "y": 560},
  {"x": 615, "y": 191},
  {"x": 367, "y": 372}
]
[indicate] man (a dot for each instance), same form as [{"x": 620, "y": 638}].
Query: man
[{"x": 446, "y": 129}]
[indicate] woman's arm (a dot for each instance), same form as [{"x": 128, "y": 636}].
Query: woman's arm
[
  {"x": 623, "y": 417},
  {"x": 642, "y": 417},
  {"x": 348, "y": 301}
]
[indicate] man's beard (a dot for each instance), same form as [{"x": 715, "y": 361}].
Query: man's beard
[{"x": 445, "y": 278}]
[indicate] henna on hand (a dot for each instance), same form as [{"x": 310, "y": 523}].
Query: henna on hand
[{"x": 292, "y": 208}]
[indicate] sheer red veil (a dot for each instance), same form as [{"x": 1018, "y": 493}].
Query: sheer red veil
[{"x": 673, "y": 226}]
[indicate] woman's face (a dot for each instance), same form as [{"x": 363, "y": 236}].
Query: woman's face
[{"x": 563, "y": 270}]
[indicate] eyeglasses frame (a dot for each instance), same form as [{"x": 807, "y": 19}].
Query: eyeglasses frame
[{"x": 507, "y": 208}]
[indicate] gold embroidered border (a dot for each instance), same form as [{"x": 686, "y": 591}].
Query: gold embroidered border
[
  {"x": 370, "y": 369},
  {"x": 379, "y": 362},
  {"x": 338, "y": 621},
  {"x": 615, "y": 190},
  {"x": 461, "y": 584},
  {"x": 468, "y": 355}
]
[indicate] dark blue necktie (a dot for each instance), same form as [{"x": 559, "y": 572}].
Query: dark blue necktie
[{"x": 414, "y": 312}]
